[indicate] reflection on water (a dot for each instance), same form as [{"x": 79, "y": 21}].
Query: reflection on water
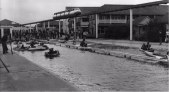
[{"x": 91, "y": 71}]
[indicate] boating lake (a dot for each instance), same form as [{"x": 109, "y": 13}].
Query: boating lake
[{"x": 93, "y": 72}]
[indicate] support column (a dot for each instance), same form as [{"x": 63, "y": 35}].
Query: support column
[
  {"x": 48, "y": 24},
  {"x": 43, "y": 24},
  {"x": 97, "y": 26},
  {"x": 29, "y": 27},
  {"x": 131, "y": 24},
  {"x": 2, "y": 32},
  {"x": 110, "y": 19},
  {"x": 36, "y": 26},
  {"x": 11, "y": 32},
  {"x": 74, "y": 27},
  {"x": 59, "y": 29}
]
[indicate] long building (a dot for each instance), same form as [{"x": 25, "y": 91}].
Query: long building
[
  {"x": 147, "y": 22},
  {"x": 8, "y": 27}
]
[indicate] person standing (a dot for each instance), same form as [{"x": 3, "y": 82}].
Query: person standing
[
  {"x": 160, "y": 37},
  {"x": 4, "y": 44}
]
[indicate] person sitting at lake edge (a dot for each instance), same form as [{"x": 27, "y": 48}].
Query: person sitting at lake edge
[
  {"x": 147, "y": 47},
  {"x": 32, "y": 44},
  {"x": 83, "y": 43}
]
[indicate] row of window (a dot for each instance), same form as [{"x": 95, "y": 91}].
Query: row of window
[{"x": 107, "y": 17}]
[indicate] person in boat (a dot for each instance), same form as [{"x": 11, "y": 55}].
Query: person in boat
[
  {"x": 83, "y": 43},
  {"x": 143, "y": 47},
  {"x": 147, "y": 47},
  {"x": 43, "y": 45},
  {"x": 32, "y": 44},
  {"x": 51, "y": 51},
  {"x": 23, "y": 47}
]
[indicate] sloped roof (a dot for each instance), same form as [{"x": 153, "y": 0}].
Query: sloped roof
[
  {"x": 120, "y": 8},
  {"x": 111, "y": 7},
  {"x": 141, "y": 21},
  {"x": 151, "y": 10},
  {"x": 51, "y": 23},
  {"x": 7, "y": 22},
  {"x": 84, "y": 10}
]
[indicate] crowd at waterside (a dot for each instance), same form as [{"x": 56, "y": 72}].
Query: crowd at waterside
[
  {"x": 33, "y": 34},
  {"x": 26, "y": 35}
]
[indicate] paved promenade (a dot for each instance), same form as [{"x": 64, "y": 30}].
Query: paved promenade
[
  {"x": 136, "y": 44},
  {"x": 25, "y": 76}
]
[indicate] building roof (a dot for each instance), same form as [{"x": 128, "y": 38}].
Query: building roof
[
  {"x": 7, "y": 22},
  {"x": 151, "y": 10},
  {"x": 141, "y": 21},
  {"x": 54, "y": 23},
  {"x": 124, "y": 7},
  {"x": 84, "y": 10},
  {"x": 111, "y": 7}
]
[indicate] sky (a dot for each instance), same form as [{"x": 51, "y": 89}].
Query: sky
[{"x": 25, "y": 11}]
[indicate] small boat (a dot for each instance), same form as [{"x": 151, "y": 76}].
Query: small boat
[
  {"x": 37, "y": 48},
  {"x": 152, "y": 54},
  {"x": 35, "y": 42},
  {"x": 85, "y": 48},
  {"x": 20, "y": 49},
  {"x": 53, "y": 54}
]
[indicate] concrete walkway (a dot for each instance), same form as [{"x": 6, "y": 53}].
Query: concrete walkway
[
  {"x": 136, "y": 44},
  {"x": 25, "y": 76}
]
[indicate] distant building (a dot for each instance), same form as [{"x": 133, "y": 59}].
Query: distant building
[
  {"x": 51, "y": 25},
  {"x": 82, "y": 23},
  {"x": 8, "y": 26},
  {"x": 115, "y": 25}
]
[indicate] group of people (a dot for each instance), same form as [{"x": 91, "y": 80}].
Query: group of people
[{"x": 40, "y": 34}]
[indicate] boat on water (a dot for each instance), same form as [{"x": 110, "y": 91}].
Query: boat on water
[
  {"x": 52, "y": 54},
  {"x": 156, "y": 55},
  {"x": 37, "y": 48},
  {"x": 20, "y": 49},
  {"x": 34, "y": 42}
]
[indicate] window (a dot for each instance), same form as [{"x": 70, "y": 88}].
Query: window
[
  {"x": 85, "y": 19},
  {"x": 101, "y": 30},
  {"x": 117, "y": 17},
  {"x": 104, "y": 17}
]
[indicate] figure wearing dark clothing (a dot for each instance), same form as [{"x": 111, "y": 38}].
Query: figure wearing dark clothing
[
  {"x": 160, "y": 37},
  {"x": 51, "y": 51},
  {"x": 32, "y": 44},
  {"x": 147, "y": 47},
  {"x": 83, "y": 43},
  {"x": 4, "y": 45}
]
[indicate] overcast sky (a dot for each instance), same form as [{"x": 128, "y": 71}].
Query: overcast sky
[{"x": 24, "y": 11}]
